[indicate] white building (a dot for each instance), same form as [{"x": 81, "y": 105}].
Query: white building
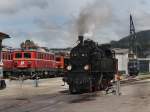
[{"x": 122, "y": 56}]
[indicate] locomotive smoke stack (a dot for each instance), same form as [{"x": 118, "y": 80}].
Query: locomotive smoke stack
[{"x": 80, "y": 38}]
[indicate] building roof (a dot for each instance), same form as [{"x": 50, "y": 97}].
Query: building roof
[
  {"x": 121, "y": 51},
  {"x": 3, "y": 36}
]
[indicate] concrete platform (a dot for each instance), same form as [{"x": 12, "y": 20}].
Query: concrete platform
[{"x": 50, "y": 96}]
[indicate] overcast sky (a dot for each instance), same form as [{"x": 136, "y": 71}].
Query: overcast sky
[{"x": 54, "y": 23}]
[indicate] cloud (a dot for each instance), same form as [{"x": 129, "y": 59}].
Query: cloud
[
  {"x": 54, "y": 23},
  {"x": 7, "y": 7},
  {"x": 36, "y": 3}
]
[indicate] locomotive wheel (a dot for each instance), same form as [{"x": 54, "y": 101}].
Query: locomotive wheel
[
  {"x": 90, "y": 86},
  {"x": 72, "y": 89}
]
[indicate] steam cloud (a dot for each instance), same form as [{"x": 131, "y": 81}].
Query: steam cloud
[{"x": 93, "y": 16}]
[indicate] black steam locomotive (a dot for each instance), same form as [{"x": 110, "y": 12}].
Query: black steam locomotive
[{"x": 90, "y": 67}]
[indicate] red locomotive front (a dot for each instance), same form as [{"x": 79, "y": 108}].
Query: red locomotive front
[{"x": 30, "y": 62}]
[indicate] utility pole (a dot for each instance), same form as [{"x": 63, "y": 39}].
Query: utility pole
[
  {"x": 133, "y": 64},
  {"x": 132, "y": 40}
]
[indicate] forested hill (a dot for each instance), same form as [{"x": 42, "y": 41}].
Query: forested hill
[{"x": 142, "y": 43}]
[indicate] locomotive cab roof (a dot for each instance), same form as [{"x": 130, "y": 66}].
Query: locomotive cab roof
[{"x": 20, "y": 50}]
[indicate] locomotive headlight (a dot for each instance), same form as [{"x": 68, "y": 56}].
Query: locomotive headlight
[
  {"x": 86, "y": 67},
  {"x": 69, "y": 67}
]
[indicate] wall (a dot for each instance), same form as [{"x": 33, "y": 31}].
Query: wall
[{"x": 122, "y": 62}]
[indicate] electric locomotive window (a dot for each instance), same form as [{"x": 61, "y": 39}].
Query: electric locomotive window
[
  {"x": 27, "y": 55},
  {"x": 11, "y": 56},
  {"x": 46, "y": 56},
  {"x": 18, "y": 55},
  {"x": 41, "y": 56},
  {"x": 3, "y": 56},
  {"x": 37, "y": 56},
  {"x": 49, "y": 57},
  {"x": 52, "y": 57}
]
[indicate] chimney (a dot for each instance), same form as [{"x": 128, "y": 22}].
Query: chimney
[{"x": 80, "y": 38}]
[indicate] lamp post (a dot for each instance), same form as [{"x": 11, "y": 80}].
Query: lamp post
[{"x": 2, "y": 81}]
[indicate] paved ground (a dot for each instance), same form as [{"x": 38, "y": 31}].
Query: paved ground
[
  {"x": 17, "y": 89},
  {"x": 52, "y": 97}
]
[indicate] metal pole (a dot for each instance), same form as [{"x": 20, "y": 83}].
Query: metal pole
[
  {"x": 37, "y": 85},
  {"x": 36, "y": 82},
  {"x": 118, "y": 93},
  {"x": 118, "y": 88}
]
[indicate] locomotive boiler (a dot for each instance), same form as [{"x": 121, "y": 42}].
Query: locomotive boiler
[{"x": 91, "y": 67}]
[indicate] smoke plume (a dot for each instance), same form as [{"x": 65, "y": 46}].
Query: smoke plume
[{"x": 93, "y": 16}]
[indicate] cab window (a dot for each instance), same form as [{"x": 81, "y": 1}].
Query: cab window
[
  {"x": 18, "y": 55},
  {"x": 27, "y": 55}
]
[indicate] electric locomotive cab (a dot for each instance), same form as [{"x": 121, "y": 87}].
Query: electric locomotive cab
[
  {"x": 22, "y": 59},
  {"x": 22, "y": 62}
]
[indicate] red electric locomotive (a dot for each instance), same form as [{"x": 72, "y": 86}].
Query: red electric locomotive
[{"x": 31, "y": 62}]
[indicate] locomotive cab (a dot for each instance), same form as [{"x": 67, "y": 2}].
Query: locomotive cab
[
  {"x": 22, "y": 59},
  {"x": 78, "y": 60},
  {"x": 22, "y": 62}
]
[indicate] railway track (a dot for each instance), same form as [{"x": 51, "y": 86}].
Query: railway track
[{"x": 132, "y": 81}]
